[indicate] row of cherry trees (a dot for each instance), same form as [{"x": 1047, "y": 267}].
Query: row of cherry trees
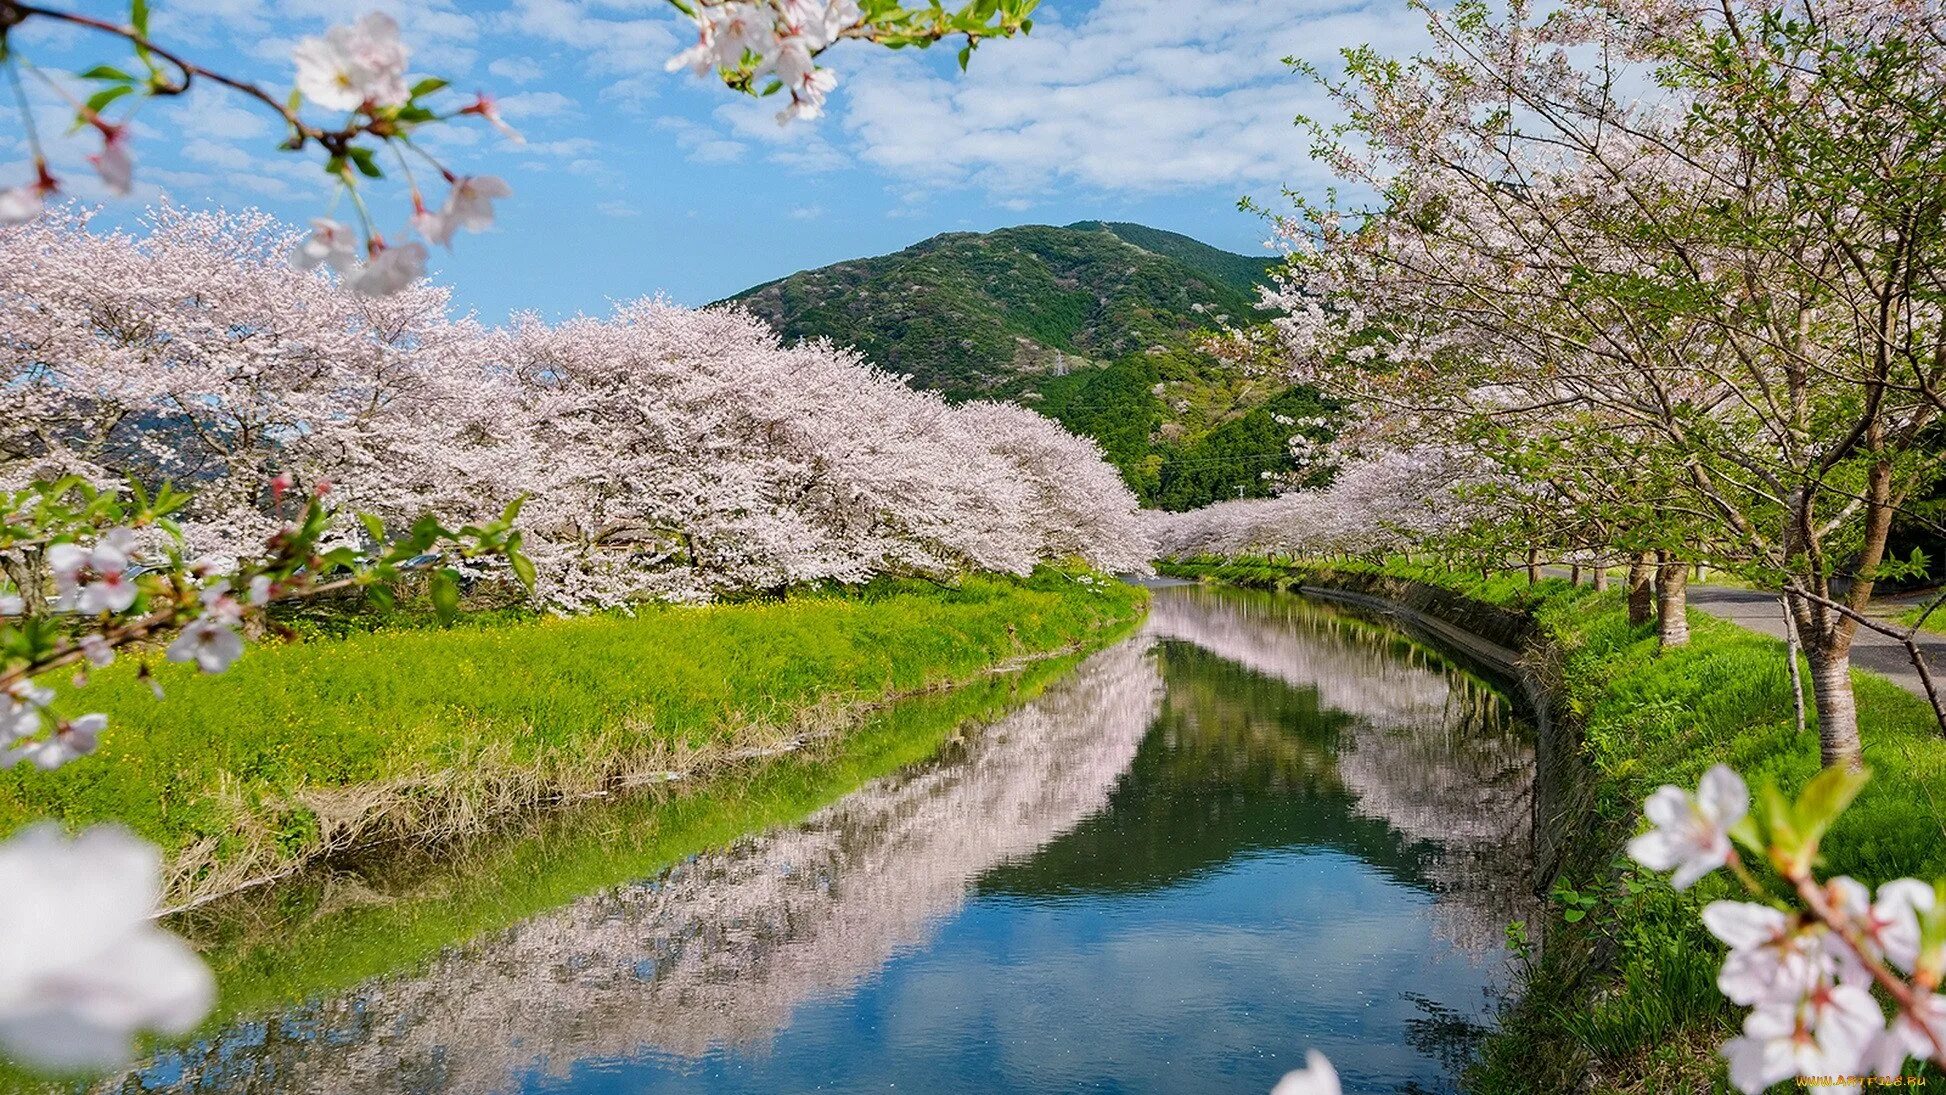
[
  {"x": 1671, "y": 273},
  {"x": 663, "y": 452}
]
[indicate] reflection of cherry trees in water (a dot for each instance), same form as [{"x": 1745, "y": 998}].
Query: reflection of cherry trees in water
[
  {"x": 719, "y": 950},
  {"x": 1434, "y": 753},
  {"x": 1236, "y": 724}
]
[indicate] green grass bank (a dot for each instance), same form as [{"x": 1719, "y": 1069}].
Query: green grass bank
[
  {"x": 324, "y": 747},
  {"x": 1623, "y": 999}
]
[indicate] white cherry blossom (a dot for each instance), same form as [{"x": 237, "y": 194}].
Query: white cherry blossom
[
  {"x": 20, "y": 204},
  {"x": 468, "y": 206},
  {"x": 1772, "y": 957},
  {"x": 1777, "y": 1045},
  {"x": 95, "y": 579},
  {"x": 1908, "y": 1037},
  {"x": 390, "y": 270},
  {"x": 1691, "y": 832},
  {"x": 1317, "y": 1077},
  {"x": 97, "y": 651},
  {"x": 208, "y": 641},
  {"x": 69, "y": 740},
  {"x": 1891, "y": 923},
  {"x": 724, "y": 34},
  {"x": 114, "y": 163},
  {"x": 83, "y": 968},
  {"x": 350, "y": 66},
  {"x": 21, "y": 712},
  {"x": 329, "y": 244}
]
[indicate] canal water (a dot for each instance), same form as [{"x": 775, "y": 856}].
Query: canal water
[{"x": 1259, "y": 826}]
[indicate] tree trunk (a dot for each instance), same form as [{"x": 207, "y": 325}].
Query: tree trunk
[
  {"x": 1837, "y": 708},
  {"x": 1672, "y": 601},
  {"x": 1574, "y": 575},
  {"x": 1641, "y": 590},
  {"x": 1533, "y": 566},
  {"x": 29, "y": 579},
  {"x": 1791, "y": 647},
  {"x": 1601, "y": 574}
]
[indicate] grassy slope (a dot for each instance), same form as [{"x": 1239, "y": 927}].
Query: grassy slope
[
  {"x": 274, "y": 947},
  {"x": 1627, "y": 997},
  {"x": 334, "y": 742}
]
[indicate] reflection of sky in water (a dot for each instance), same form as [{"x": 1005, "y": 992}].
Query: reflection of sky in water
[
  {"x": 1255, "y": 829},
  {"x": 1219, "y": 984}
]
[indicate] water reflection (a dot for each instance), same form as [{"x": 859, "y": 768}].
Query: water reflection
[{"x": 1256, "y": 827}]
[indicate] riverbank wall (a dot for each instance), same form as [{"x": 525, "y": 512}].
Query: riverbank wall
[
  {"x": 1622, "y": 999},
  {"x": 1506, "y": 642}
]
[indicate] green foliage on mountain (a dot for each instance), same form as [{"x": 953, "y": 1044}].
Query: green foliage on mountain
[
  {"x": 1241, "y": 272},
  {"x": 1183, "y": 429},
  {"x": 965, "y": 313},
  {"x": 1099, "y": 324}
]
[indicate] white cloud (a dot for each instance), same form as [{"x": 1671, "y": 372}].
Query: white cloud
[
  {"x": 534, "y": 104},
  {"x": 801, "y": 145},
  {"x": 617, "y": 209},
  {"x": 520, "y": 70},
  {"x": 212, "y": 154},
  {"x": 218, "y": 114},
  {"x": 703, "y": 144},
  {"x": 614, "y": 46},
  {"x": 1138, "y": 95}
]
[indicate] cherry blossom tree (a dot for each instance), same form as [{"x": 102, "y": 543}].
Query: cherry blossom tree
[
  {"x": 1709, "y": 231},
  {"x": 1391, "y": 501},
  {"x": 672, "y": 453},
  {"x": 162, "y": 372}
]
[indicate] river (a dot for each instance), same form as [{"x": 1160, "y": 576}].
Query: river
[{"x": 1257, "y": 827}]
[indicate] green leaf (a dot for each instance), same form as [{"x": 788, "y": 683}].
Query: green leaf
[
  {"x": 383, "y": 597},
  {"x": 1747, "y": 836},
  {"x": 445, "y": 595},
  {"x": 107, "y": 72},
  {"x": 138, "y": 16},
  {"x": 367, "y": 163},
  {"x": 427, "y": 86},
  {"x": 1573, "y": 915},
  {"x": 103, "y": 97},
  {"x": 1825, "y": 797},
  {"x": 374, "y": 527},
  {"x": 523, "y": 569}
]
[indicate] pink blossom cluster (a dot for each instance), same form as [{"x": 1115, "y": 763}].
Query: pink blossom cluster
[
  {"x": 772, "y": 39},
  {"x": 358, "y": 71},
  {"x": 1807, "y": 970},
  {"x": 1388, "y": 501},
  {"x": 664, "y": 452}
]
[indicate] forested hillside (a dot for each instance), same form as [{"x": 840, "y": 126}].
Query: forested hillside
[{"x": 1099, "y": 324}]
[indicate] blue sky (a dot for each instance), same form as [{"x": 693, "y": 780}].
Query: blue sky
[{"x": 635, "y": 181}]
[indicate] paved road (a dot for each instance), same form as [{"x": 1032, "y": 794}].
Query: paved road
[{"x": 1881, "y": 654}]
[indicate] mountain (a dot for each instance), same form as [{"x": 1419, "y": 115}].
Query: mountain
[
  {"x": 966, "y": 313},
  {"x": 1241, "y": 272},
  {"x": 1098, "y": 324}
]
